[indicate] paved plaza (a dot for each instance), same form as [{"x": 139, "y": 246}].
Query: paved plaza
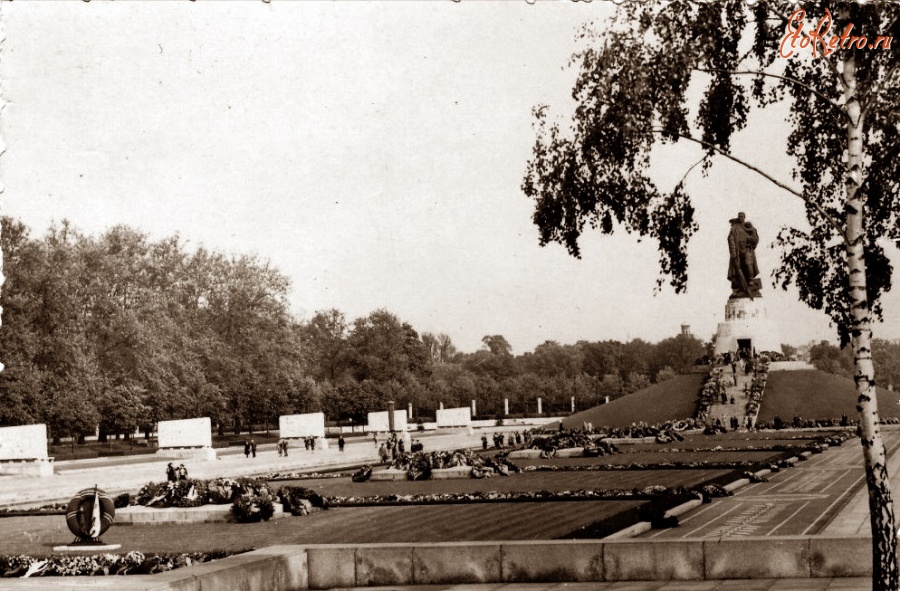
[
  {"x": 823, "y": 495},
  {"x": 846, "y": 584},
  {"x": 128, "y": 474}
]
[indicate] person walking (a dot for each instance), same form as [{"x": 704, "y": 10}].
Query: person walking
[
  {"x": 253, "y": 447},
  {"x": 246, "y": 449},
  {"x": 383, "y": 452},
  {"x": 170, "y": 473},
  {"x": 341, "y": 443}
]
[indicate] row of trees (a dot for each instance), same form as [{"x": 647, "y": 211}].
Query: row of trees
[
  {"x": 886, "y": 354},
  {"x": 121, "y": 331}
]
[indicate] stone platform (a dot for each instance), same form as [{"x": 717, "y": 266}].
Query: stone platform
[
  {"x": 140, "y": 515},
  {"x": 390, "y": 474},
  {"x": 528, "y": 454},
  {"x": 452, "y": 473}
]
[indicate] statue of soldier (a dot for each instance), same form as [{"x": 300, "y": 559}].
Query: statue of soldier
[{"x": 742, "y": 268}]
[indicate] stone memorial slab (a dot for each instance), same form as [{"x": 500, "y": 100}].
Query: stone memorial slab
[
  {"x": 24, "y": 442},
  {"x": 23, "y": 451},
  {"x": 454, "y": 417},
  {"x": 185, "y": 433},
  {"x": 378, "y": 421},
  {"x": 303, "y": 425},
  {"x": 186, "y": 438}
]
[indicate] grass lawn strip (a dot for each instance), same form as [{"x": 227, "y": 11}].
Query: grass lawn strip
[{"x": 476, "y": 522}]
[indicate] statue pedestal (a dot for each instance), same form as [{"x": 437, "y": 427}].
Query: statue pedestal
[{"x": 747, "y": 325}]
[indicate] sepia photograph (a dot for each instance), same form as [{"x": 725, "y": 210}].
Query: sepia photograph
[{"x": 449, "y": 294}]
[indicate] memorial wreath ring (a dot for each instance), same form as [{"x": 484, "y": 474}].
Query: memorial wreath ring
[{"x": 90, "y": 513}]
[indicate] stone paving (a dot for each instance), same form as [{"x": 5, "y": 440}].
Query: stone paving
[
  {"x": 825, "y": 584},
  {"x": 726, "y": 411},
  {"x": 823, "y": 495},
  {"x": 128, "y": 474}
]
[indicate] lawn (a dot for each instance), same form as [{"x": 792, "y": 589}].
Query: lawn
[
  {"x": 477, "y": 522},
  {"x": 814, "y": 394},
  {"x": 650, "y": 458},
  {"x": 672, "y": 400},
  {"x": 524, "y": 482}
]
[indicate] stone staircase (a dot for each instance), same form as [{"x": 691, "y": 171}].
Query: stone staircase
[{"x": 725, "y": 412}]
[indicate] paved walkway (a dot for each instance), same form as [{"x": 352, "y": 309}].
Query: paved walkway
[
  {"x": 726, "y": 411},
  {"x": 127, "y": 474},
  {"x": 854, "y": 519},
  {"x": 825, "y": 494},
  {"x": 843, "y": 584}
]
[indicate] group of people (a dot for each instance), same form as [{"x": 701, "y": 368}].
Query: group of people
[
  {"x": 174, "y": 474},
  {"x": 502, "y": 440},
  {"x": 282, "y": 447},
  {"x": 394, "y": 447},
  {"x": 391, "y": 449},
  {"x": 249, "y": 448}
]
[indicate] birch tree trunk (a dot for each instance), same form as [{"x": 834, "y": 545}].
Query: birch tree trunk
[{"x": 881, "y": 507}]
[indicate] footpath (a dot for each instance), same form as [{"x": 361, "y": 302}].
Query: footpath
[
  {"x": 824, "y": 495},
  {"x": 128, "y": 474},
  {"x": 733, "y": 391},
  {"x": 825, "y": 584}
]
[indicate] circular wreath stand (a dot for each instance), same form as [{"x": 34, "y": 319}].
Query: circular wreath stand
[{"x": 89, "y": 515}]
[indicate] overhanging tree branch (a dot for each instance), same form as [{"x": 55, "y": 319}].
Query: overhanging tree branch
[
  {"x": 793, "y": 81},
  {"x": 693, "y": 166},
  {"x": 766, "y": 176}
]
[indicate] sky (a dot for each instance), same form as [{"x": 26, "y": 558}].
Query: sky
[{"x": 373, "y": 152}]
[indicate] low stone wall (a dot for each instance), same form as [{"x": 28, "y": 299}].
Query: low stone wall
[
  {"x": 292, "y": 568},
  {"x": 566, "y": 452},
  {"x": 390, "y": 474},
  {"x": 140, "y": 515},
  {"x": 458, "y": 472},
  {"x": 583, "y": 560}
]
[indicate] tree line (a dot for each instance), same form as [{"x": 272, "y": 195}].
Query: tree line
[
  {"x": 886, "y": 354},
  {"x": 119, "y": 331}
]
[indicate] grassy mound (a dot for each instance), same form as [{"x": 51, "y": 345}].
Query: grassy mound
[
  {"x": 672, "y": 400},
  {"x": 815, "y": 394}
]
